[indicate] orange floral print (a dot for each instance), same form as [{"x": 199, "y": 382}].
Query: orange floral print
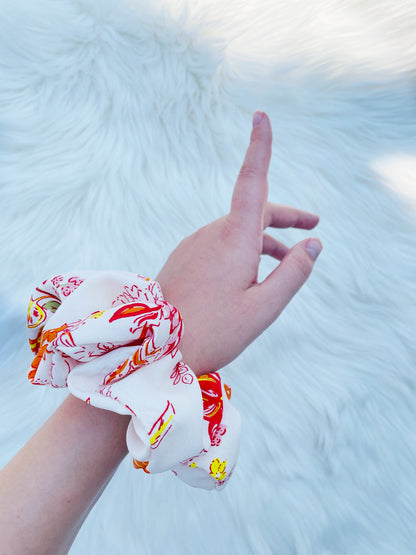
[
  {"x": 46, "y": 339},
  {"x": 227, "y": 390},
  {"x": 141, "y": 464}
]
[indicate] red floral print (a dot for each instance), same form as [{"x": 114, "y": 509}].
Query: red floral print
[
  {"x": 212, "y": 400},
  {"x": 182, "y": 373}
]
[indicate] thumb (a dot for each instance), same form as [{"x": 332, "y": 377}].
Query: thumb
[{"x": 284, "y": 282}]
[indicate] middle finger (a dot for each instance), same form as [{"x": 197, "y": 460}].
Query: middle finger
[{"x": 280, "y": 216}]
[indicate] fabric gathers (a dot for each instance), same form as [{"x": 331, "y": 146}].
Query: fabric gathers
[{"x": 112, "y": 340}]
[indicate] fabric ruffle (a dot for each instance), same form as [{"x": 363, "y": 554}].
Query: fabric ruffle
[{"x": 112, "y": 339}]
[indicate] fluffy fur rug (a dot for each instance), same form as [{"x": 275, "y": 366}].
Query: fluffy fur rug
[{"x": 123, "y": 126}]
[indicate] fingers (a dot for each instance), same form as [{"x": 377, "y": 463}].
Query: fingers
[
  {"x": 279, "y": 215},
  {"x": 274, "y": 293},
  {"x": 250, "y": 191},
  {"x": 274, "y": 248}
]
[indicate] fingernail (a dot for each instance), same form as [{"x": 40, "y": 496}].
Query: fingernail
[
  {"x": 314, "y": 247},
  {"x": 257, "y": 117}
]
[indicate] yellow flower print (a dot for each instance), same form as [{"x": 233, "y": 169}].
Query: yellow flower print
[
  {"x": 96, "y": 314},
  {"x": 218, "y": 469}
]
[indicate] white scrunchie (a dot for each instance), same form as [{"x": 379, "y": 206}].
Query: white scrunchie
[{"x": 112, "y": 339}]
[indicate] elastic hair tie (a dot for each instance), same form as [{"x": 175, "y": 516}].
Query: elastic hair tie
[{"x": 112, "y": 340}]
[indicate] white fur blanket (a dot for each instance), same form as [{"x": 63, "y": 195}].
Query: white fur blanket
[{"x": 123, "y": 126}]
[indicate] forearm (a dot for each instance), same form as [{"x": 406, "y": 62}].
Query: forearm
[{"x": 49, "y": 487}]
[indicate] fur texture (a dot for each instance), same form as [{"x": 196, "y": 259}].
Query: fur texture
[{"x": 123, "y": 126}]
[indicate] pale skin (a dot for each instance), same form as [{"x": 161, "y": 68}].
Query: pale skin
[{"x": 49, "y": 487}]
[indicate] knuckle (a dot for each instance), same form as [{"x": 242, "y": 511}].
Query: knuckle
[
  {"x": 248, "y": 171},
  {"x": 301, "y": 265},
  {"x": 230, "y": 231}
]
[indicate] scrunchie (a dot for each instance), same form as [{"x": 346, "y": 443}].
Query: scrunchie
[{"x": 112, "y": 339}]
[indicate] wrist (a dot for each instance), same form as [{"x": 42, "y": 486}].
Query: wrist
[{"x": 96, "y": 423}]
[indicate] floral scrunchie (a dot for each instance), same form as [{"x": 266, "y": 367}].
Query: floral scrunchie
[{"x": 112, "y": 339}]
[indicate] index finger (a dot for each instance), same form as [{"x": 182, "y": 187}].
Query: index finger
[{"x": 250, "y": 191}]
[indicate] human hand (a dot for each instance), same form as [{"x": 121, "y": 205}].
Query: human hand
[{"x": 211, "y": 277}]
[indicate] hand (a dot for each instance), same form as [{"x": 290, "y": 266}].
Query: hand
[{"x": 211, "y": 277}]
